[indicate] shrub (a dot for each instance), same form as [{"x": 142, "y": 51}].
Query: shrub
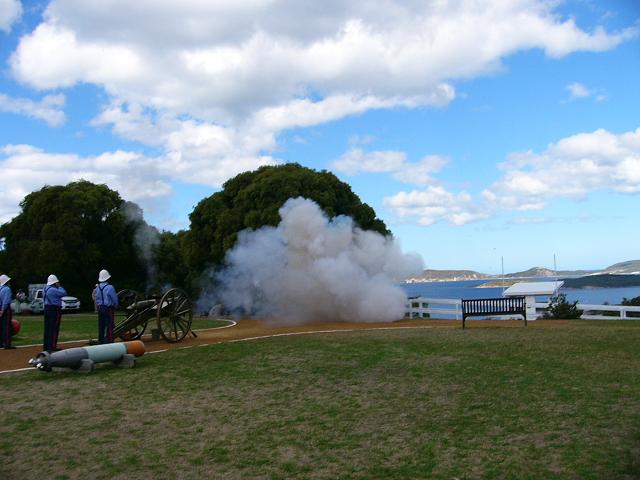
[
  {"x": 559, "y": 307},
  {"x": 630, "y": 302}
]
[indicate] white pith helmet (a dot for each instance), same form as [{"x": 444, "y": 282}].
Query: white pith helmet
[
  {"x": 103, "y": 276},
  {"x": 52, "y": 280},
  {"x": 4, "y": 279}
]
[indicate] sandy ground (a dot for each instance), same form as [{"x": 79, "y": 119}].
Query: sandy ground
[{"x": 253, "y": 328}]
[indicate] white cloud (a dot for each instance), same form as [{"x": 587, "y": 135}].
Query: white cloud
[
  {"x": 210, "y": 85},
  {"x": 305, "y": 112},
  {"x": 434, "y": 204},
  {"x": 10, "y": 12},
  {"x": 207, "y": 153},
  {"x": 48, "y": 109},
  {"x": 419, "y": 173},
  {"x": 26, "y": 168},
  {"x": 134, "y": 123},
  {"x": 578, "y": 91},
  {"x": 217, "y": 61},
  {"x": 355, "y": 161},
  {"x": 52, "y": 57},
  {"x": 192, "y": 151},
  {"x": 572, "y": 168}
]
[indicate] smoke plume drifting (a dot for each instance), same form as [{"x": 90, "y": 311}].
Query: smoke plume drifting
[
  {"x": 145, "y": 237},
  {"x": 310, "y": 268}
]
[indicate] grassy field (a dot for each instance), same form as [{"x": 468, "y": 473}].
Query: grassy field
[
  {"x": 80, "y": 326},
  {"x": 545, "y": 401}
]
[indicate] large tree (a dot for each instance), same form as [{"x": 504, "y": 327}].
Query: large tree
[
  {"x": 73, "y": 231},
  {"x": 252, "y": 200},
  {"x": 170, "y": 257}
]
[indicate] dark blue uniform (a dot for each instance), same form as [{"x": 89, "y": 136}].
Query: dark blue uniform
[
  {"x": 106, "y": 301},
  {"x": 5, "y": 317},
  {"x": 52, "y": 315}
]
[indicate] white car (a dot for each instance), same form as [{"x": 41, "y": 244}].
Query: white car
[{"x": 70, "y": 303}]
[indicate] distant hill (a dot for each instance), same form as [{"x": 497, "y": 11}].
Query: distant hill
[
  {"x": 545, "y": 272},
  {"x": 431, "y": 275},
  {"x": 603, "y": 281},
  {"x": 532, "y": 272},
  {"x": 631, "y": 266}
]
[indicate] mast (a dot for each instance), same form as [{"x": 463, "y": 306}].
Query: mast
[{"x": 502, "y": 263}]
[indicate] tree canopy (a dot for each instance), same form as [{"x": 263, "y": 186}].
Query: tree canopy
[
  {"x": 631, "y": 302},
  {"x": 170, "y": 257},
  {"x": 252, "y": 200},
  {"x": 73, "y": 231},
  {"x": 77, "y": 229}
]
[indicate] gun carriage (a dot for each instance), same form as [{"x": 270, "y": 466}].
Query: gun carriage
[{"x": 171, "y": 311}]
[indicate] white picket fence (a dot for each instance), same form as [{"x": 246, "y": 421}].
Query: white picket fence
[
  {"x": 596, "y": 312},
  {"x": 422, "y": 307}
]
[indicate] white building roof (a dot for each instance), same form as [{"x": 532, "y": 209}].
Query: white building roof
[{"x": 533, "y": 288}]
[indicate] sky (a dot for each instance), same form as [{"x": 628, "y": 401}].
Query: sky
[{"x": 481, "y": 131}]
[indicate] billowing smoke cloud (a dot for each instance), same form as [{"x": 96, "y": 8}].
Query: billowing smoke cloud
[{"x": 310, "y": 268}]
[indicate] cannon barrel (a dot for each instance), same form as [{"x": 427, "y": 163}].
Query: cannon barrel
[{"x": 73, "y": 357}]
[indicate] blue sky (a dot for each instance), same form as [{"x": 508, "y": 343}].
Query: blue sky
[{"x": 476, "y": 130}]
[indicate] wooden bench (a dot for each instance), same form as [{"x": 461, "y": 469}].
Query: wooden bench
[{"x": 485, "y": 307}]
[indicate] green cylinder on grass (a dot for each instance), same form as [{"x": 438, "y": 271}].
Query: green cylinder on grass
[{"x": 106, "y": 353}]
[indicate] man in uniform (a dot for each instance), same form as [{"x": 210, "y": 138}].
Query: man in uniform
[
  {"x": 5, "y": 313},
  {"x": 106, "y": 302},
  {"x": 53, "y": 294}
]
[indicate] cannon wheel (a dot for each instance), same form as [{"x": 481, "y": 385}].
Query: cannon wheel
[
  {"x": 174, "y": 315},
  {"x": 127, "y": 301}
]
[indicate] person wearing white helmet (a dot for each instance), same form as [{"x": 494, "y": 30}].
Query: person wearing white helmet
[
  {"x": 5, "y": 313},
  {"x": 53, "y": 294},
  {"x": 106, "y": 302}
]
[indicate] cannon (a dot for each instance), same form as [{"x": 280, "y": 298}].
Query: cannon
[{"x": 172, "y": 312}]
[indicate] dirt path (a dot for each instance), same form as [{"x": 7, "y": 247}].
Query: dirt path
[{"x": 252, "y": 328}]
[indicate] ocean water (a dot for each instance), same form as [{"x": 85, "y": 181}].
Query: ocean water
[{"x": 467, "y": 290}]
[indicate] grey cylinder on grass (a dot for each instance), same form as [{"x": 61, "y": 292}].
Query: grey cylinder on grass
[{"x": 73, "y": 357}]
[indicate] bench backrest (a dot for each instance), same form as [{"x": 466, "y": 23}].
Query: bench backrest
[{"x": 481, "y": 307}]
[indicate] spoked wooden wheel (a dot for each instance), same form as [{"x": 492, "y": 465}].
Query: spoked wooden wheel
[
  {"x": 128, "y": 324},
  {"x": 174, "y": 315}
]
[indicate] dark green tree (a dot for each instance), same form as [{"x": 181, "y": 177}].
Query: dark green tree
[
  {"x": 170, "y": 258},
  {"x": 73, "y": 231},
  {"x": 560, "y": 308},
  {"x": 631, "y": 302},
  {"x": 252, "y": 200}
]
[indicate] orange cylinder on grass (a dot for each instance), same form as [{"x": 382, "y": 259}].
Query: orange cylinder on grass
[
  {"x": 135, "y": 347},
  {"x": 15, "y": 327}
]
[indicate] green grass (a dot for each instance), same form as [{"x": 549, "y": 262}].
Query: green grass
[
  {"x": 80, "y": 326},
  {"x": 546, "y": 401}
]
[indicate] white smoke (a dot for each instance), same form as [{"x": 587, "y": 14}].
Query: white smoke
[
  {"x": 146, "y": 238},
  {"x": 310, "y": 268}
]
